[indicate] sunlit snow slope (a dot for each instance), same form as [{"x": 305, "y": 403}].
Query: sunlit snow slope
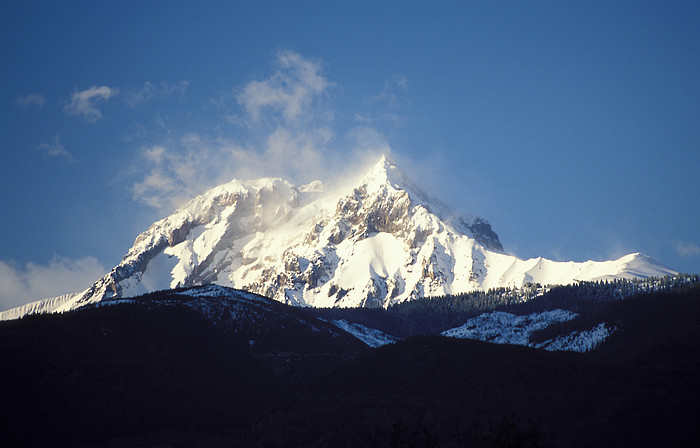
[{"x": 379, "y": 242}]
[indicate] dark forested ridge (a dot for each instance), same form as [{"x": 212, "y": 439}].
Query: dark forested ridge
[
  {"x": 433, "y": 315},
  {"x": 144, "y": 375},
  {"x": 105, "y": 373}
]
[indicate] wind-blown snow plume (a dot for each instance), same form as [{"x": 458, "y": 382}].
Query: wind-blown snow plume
[{"x": 284, "y": 129}]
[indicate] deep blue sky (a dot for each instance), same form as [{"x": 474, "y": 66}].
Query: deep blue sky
[{"x": 573, "y": 127}]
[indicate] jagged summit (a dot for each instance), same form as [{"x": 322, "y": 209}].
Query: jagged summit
[
  {"x": 379, "y": 242},
  {"x": 382, "y": 175},
  {"x": 386, "y": 180},
  {"x": 385, "y": 177}
]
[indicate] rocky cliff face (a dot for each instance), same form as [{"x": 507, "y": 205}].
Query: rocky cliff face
[{"x": 379, "y": 242}]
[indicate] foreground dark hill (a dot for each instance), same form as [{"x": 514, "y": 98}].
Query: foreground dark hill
[
  {"x": 275, "y": 332},
  {"x": 204, "y": 359},
  {"x": 161, "y": 372},
  {"x": 105, "y": 373},
  {"x": 641, "y": 388},
  {"x": 590, "y": 300}
]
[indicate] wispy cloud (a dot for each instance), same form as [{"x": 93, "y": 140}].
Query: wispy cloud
[
  {"x": 193, "y": 164},
  {"x": 360, "y": 118},
  {"x": 385, "y": 107},
  {"x": 290, "y": 93},
  {"x": 56, "y": 149},
  {"x": 85, "y": 102},
  {"x": 20, "y": 284},
  {"x": 687, "y": 249},
  {"x": 286, "y": 129},
  {"x": 184, "y": 169},
  {"x": 151, "y": 91},
  {"x": 31, "y": 100},
  {"x": 392, "y": 91}
]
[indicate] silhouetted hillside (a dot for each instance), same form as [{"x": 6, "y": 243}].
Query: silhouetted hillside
[
  {"x": 152, "y": 374},
  {"x": 433, "y": 315},
  {"x": 97, "y": 374}
]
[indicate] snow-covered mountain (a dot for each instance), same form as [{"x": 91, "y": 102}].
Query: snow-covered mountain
[{"x": 376, "y": 243}]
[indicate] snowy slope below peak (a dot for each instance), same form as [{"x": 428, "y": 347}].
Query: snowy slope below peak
[
  {"x": 507, "y": 270},
  {"x": 50, "y": 305}
]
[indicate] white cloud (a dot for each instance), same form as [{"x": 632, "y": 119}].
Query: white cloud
[
  {"x": 687, "y": 249},
  {"x": 292, "y": 91},
  {"x": 385, "y": 104},
  {"x": 187, "y": 167},
  {"x": 190, "y": 166},
  {"x": 359, "y": 118},
  {"x": 56, "y": 149},
  {"x": 392, "y": 91},
  {"x": 369, "y": 141},
  {"x": 288, "y": 104},
  {"x": 289, "y": 135},
  {"x": 33, "y": 99},
  {"x": 85, "y": 102},
  {"x": 23, "y": 284},
  {"x": 150, "y": 91}
]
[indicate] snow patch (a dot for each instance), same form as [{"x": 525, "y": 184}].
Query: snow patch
[
  {"x": 505, "y": 328},
  {"x": 579, "y": 341},
  {"x": 370, "y": 336}
]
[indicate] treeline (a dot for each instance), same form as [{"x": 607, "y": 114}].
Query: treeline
[
  {"x": 433, "y": 315},
  {"x": 426, "y": 316},
  {"x": 669, "y": 303}
]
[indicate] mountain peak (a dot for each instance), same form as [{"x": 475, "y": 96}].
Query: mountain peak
[{"x": 383, "y": 173}]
